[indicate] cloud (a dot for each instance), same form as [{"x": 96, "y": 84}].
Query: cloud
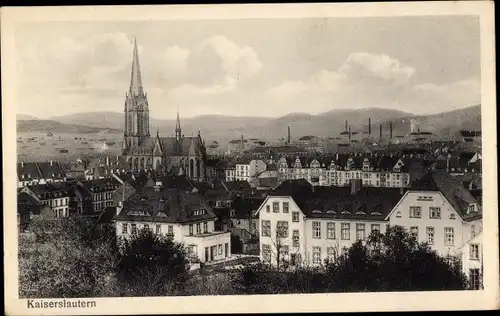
[
  {"x": 369, "y": 80},
  {"x": 97, "y": 70}
]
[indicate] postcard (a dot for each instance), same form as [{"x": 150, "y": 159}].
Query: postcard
[{"x": 249, "y": 158}]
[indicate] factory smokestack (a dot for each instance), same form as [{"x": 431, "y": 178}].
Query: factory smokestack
[
  {"x": 390, "y": 130},
  {"x": 289, "y": 134},
  {"x": 369, "y": 126},
  {"x": 349, "y": 134},
  {"x": 380, "y": 131},
  {"x": 346, "y": 125}
]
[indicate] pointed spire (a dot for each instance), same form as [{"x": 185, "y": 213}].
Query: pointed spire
[
  {"x": 178, "y": 131},
  {"x": 136, "y": 79},
  {"x": 158, "y": 132}
]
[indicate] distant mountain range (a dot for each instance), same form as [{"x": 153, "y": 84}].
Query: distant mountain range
[{"x": 218, "y": 127}]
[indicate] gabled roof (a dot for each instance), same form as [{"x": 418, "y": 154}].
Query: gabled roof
[
  {"x": 169, "y": 205},
  {"x": 51, "y": 190},
  {"x": 451, "y": 188},
  {"x": 238, "y": 185},
  {"x": 245, "y": 207}
]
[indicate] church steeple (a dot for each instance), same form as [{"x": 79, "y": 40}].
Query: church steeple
[
  {"x": 178, "y": 131},
  {"x": 136, "y": 79}
]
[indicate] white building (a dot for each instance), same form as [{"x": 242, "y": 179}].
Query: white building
[
  {"x": 298, "y": 224},
  {"x": 247, "y": 169},
  {"x": 185, "y": 217}
]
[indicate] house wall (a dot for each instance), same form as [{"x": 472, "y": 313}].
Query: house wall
[
  {"x": 272, "y": 241},
  {"x": 338, "y": 243},
  {"x": 401, "y": 216}
]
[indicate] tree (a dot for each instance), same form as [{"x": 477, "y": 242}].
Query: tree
[
  {"x": 73, "y": 257},
  {"x": 394, "y": 261},
  {"x": 151, "y": 265}
]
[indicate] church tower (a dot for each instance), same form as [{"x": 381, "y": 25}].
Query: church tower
[{"x": 136, "y": 108}]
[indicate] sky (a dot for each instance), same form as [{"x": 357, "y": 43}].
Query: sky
[{"x": 251, "y": 67}]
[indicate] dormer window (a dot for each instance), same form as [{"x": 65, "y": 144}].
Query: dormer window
[
  {"x": 471, "y": 208},
  {"x": 331, "y": 212},
  {"x": 376, "y": 214},
  {"x": 360, "y": 213},
  {"x": 316, "y": 211},
  {"x": 143, "y": 199},
  {"x": 346, "y": 213}
]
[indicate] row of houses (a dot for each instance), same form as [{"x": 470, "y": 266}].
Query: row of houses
[{"x": 303, "y": 224}]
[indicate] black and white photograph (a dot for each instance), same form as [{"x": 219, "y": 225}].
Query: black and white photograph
[{"x": 265, "y": 156}]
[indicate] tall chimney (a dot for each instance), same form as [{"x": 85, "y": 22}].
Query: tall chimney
[
  {"x": 51, "y": 162},
  {"x": 380, "y": 131},
  {"x": 390, "y": 127},
  {"x": 346, "y": 125},
  {"x": 289, "y": 134},
  {"x": 349, "y": 134},
  {"x": 369, "y": 126}
]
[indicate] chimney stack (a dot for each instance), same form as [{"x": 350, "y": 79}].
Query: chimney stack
[
  {"x": 369, "y": 126},
  {"x": 390, "y": 127},
  {"x": 349, "y": 134},
  {"x": 50, "y": 162},
  {"x": 289, "y": 134},
  {"x": 346, "y": 125},
  {"x": 107, "y": 160},
  {"x": 380, "y": 131}
]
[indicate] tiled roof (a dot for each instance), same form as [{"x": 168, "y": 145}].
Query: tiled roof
[
  {"x": 26, "y": 204},
  {"x": 451, "y": 188},
  {"x": 169, "y": 205},
  {"x": 238, "y": 185},
  {"x": 39, "y": 170},
  {"x": 244, "y": 207},
  {"x": 367, "y": 203},
  {"x": 51, "y": 190},
  {"x": 101, "y": 185}
]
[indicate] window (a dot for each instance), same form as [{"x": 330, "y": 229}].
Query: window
[
  {"x": 473, "y": 231},
  {"x": 452, "y": 215},
  {"x": 434, "y": 212},
  {"x": 220, "y": 249},
  {"x": 360, "y": 231},
  {"x": 474, "y": 252},
  {"x": 398, "y": 214},
  {"x": 449, "y": 236},
  {"x": 414, "y": 232},
  {"x": 330, "y": 230},
  {"x": 316, "y": 230},
  {"x": 471, "y": 208},
  {"x": 266, "y": 228},
  {"x": 198, "y": 229},
  {"x": 296, "y": 238},
  {"x": 134, "y": 229},
  {"x": 268, "y": 208},
  {"x": 474, "y": 279},
  {"x": 346, "y": 231},
  {"x": 295, "y": 217},
  {"x": 284, "y": 251},
  {"x": 146, "y": 227},
  {"x": 375, "y": 228},
  {"x": 282, "y": 229},
  {"x": 205, "y": 227},
  {"x": 430, "y": 235},
  {"x": 170, "y": 230},
  {"x": 330, "y": 253},
  {"x": 286, "y": 207},
  {"x": 266, "y": 252},
  {"x": 124, "y": 228},
  {"x": 158, "y": 229},
  {"x": 276, "y": 207},
  {"x": 190, "y": 230},
  {"x": 415, "y": 211},
  {"x": 317, "y": 255}
]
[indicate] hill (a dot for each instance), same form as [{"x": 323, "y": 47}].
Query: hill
[
  {"x": 45, "y": 126},
  {"x": 25, "y": 117},
  {"x": 224, "y": 128}
]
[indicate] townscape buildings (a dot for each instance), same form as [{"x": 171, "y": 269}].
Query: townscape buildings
[{"x": 292, "y": 203}]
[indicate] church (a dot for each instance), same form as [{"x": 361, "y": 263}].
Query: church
[{"x": 174, "y": 155}]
